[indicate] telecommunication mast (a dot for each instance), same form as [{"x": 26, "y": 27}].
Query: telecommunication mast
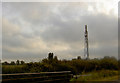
[{"x": 86, "y": 48}]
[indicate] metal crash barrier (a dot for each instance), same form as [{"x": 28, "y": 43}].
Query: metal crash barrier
[{"x": 53, "y": 77}]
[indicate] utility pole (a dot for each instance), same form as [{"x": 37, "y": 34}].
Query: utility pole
[{"x": 86, "y": 48}]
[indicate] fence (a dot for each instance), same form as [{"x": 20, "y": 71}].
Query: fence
[{"x": 53, "y": 77}]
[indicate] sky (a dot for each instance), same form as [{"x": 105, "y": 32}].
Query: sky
[{"x": 30, "y": 30}]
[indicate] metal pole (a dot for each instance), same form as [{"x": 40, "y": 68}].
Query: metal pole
[{"x": 86, "y": 49}]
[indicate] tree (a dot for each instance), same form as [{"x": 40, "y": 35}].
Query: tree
[
  {"x": 17, "y": 62},
  {"x": 22, "y": 62},
  {"x": 109, "y": 63},
  {"x": 79, "y": 57},
  {"x": 12, "y": 63},
  {"x": 45, "y": 60},
  {"x": 55, "y": 58},
  {"x": 5, "y": 63},
  {"x": 50, "y": 56}
]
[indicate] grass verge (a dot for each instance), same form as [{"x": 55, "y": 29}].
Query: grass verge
[{"x": 103, "y": 75}]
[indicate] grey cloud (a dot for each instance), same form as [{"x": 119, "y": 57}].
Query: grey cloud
[
  {"x": 26, "y": 56},
  {"x": 64, "y": 24}
]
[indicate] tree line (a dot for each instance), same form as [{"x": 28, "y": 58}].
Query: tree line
[
  {"x": 51, "y": 64},
  {"x": 18, "y": 62}
]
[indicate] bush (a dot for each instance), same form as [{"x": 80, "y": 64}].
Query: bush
[{"x": 76, "y": 66}]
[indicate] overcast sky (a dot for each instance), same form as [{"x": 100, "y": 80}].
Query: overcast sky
[{"x": 33, "y": 29}]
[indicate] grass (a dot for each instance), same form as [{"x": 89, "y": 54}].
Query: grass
[
  {"x": 13, "y": 69},
  {"x": 113, "y": 78},
  {"x": 103, "y": 75}
]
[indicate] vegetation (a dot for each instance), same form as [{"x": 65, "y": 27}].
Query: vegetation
[
  {"x": 13, "y": 69},
  {"x": 76, "y": 66},
  {"x": 101, "y": 75}
]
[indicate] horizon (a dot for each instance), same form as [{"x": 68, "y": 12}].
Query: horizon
[{"x": 9, "y": 61}]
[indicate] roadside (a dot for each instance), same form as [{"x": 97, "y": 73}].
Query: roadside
[{"x": 103, "y": 75}]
